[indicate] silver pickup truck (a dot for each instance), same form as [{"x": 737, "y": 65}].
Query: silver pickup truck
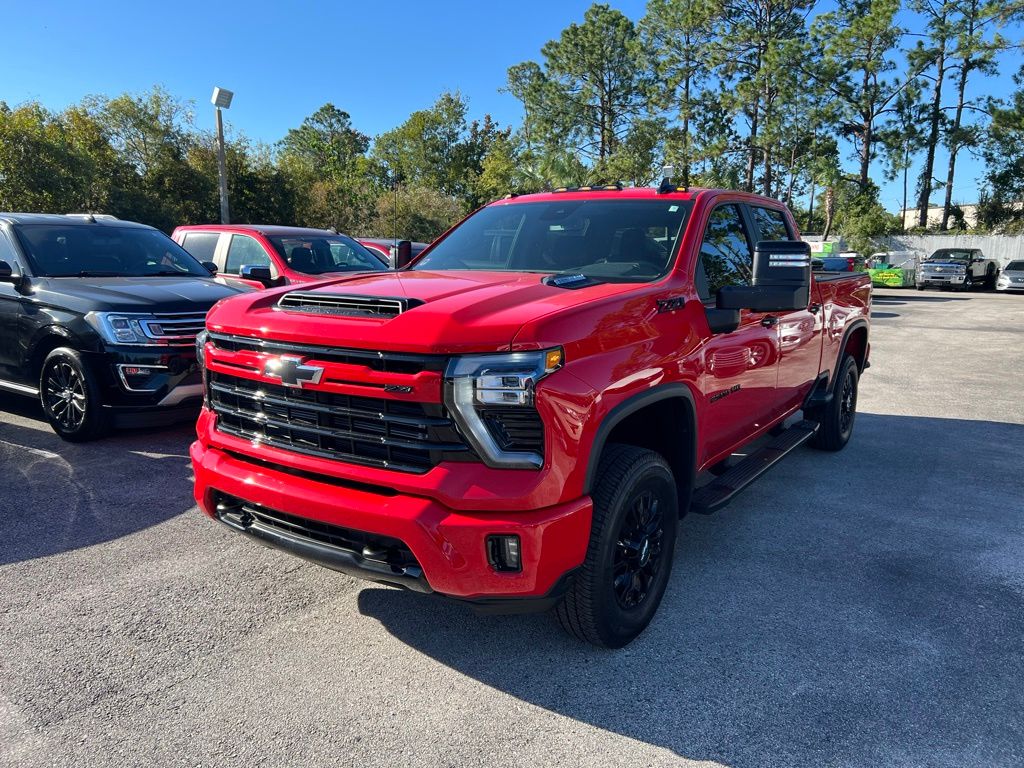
[{"x": 962, "y": 268}]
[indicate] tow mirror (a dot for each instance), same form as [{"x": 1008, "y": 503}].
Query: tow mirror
[
  {"x": 210, "y": 266},
  {"x": 403, "y": 254},
  {"x": 6, "y": 273},
  {"x": 782, "y": 279},
  {"x": 259, "y": 274}
]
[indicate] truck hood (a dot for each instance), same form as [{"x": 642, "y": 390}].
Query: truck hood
[
  {"x": 448, "y": 312},
  {"x": 132, "y": 294}
]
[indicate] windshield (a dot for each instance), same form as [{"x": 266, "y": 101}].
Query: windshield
[
  {"x": 951, "y": 255},
  {"x": 56, "y": 250},
  {"x": 318, "y": 255},
  {"x": 610, "y": 240},
  {"x": 1014, "y": 266}
]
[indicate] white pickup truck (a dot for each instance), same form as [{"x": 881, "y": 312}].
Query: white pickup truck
[{"x": 962, "y": 268}]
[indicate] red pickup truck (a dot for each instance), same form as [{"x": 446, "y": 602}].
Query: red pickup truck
[
  {"x": 520, "y": 417},
  {"x": 262, "y": 255}
]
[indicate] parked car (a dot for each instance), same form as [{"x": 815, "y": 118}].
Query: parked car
[
  {"x": 264, "y": 255},
  {"x": 1012, "y": 277},
  {"x": 387, "y": 248},
  {"x": 98, "y": 319},
  {"x": 518, "y": 419},
  {"x": 963, "y": 268}
]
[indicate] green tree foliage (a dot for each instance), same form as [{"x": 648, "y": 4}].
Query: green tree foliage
[
  {"x": 1001, "y": 207},
  {"x": 857, "y": 40},
  {"x": 415, "y": 213},
  {"x": 590, "y": 90}
]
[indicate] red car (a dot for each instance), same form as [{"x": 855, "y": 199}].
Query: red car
[
  {"x": 266, "y": 255},
  {"x": 520, "y": 417}
]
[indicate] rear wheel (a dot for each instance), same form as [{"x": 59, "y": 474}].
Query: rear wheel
[
  {"x": 70, "y": 397},
  {"x": 629, "y": 559},
  {"x": 836, "y": 418},
  {"x": 990, "y": 278}
]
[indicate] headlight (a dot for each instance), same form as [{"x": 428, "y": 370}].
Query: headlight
[
  {"x": 118, "y": 328},
  {"x": 201, "y": 339},
  {"x": 492, "y": 400}
]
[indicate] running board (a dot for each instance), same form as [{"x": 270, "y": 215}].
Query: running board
[{"x": 724, "y": 488}]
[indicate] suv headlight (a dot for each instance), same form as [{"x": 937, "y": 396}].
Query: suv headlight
[
  {"x": 492, "y": 400},
  {"x": 121, "y": 328}
]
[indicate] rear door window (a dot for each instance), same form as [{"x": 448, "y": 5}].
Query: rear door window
[
  {"x": 202, "y": 245},
  {"x": 771, "y": 224}
]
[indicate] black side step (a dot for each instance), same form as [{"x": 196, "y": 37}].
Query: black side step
[{"x": 720, "y": 491}]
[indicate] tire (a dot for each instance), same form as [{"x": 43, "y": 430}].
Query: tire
[
  {"x": 990, "y": 278},
  {"x": 920, "y": 287},
  {"x": 635, "y": 501},
  {"x": 70, "y": 397},
  {"x": 838, "y": 416}
]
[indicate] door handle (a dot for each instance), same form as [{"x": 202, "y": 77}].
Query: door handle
[
  {"x": 770, "y": 322},
  {"x": 814, "y": 308}
]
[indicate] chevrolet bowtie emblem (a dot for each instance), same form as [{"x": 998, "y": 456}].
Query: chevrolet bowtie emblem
[{"x": 291, "y": 371}]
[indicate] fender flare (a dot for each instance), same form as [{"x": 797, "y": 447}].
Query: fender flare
[
  {"x": 630, "y": 406},
  {"x": 860, "y": 322}
]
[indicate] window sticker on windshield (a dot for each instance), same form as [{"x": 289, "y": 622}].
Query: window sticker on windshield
[{"x": 673, "y": 208}]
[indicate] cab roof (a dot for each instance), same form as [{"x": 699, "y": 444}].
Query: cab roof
[
  {"x": 601, "y": 192},
  {"x": 269, "y": 230},
  {"x": 71, "y": 219}
]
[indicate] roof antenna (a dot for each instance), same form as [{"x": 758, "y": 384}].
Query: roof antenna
[{"x": 667, "y": 185}]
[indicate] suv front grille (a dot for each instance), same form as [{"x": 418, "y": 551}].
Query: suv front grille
[
  {"x": 377, "y": 432},
  {"x": 175, "y": 327}
]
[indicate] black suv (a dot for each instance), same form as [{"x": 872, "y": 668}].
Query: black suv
[{"x": 98, "y": 318}]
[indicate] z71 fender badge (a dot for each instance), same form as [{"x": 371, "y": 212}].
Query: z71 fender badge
[{"x": 724, "y": 393}]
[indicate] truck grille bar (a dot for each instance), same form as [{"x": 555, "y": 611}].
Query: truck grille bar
[{"x": 378, "y": 432}]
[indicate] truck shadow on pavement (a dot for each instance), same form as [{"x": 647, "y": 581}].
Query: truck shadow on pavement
[
  {"x": 859, "y": 608},
  {"x": 60, "y": 496}
]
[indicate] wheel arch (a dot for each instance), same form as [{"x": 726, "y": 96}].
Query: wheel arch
[
  {"x": 47, "y": 340},
  {"x": 641, "y": 420},
  {"x": 855, "y": 343}
]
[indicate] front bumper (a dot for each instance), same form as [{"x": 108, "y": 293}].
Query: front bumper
[
  {"x": 149, "y": 386},
  {"x": 941, "y": 280},
  {"x": 448, "y": 545},
  {"x": 1004, "y": 284}
]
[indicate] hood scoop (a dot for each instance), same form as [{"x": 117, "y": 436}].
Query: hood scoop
[{"x": 345, "y": 305}]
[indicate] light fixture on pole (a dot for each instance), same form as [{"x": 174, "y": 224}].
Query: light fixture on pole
[{"x": 222, "y": 100}]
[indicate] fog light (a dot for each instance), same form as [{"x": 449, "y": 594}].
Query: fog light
[{"x": 503, "y": 553}]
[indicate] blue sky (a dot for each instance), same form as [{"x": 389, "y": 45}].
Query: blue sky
[{"x": 377, "y": 60}]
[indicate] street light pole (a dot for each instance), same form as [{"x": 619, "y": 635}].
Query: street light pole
[{"x": 222, "y": 99}]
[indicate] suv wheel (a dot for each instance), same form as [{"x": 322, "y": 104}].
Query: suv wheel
[
  {"x": 632, "y": 539},
  {"x": 70, "y": 397},
  {"x": 990, "y": 278},
  {"x": 838, "y": 416}
]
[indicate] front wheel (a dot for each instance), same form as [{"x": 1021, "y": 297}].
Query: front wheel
[
  {"x": 629, "y": 559},
  {"x": 70, "y": 397},
  {"x": 838, "y": 416}
]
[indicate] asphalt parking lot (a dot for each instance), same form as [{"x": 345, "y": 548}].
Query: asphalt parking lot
[{"x": 860, "y": 608}]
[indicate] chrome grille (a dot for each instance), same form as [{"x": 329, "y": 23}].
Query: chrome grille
[{"x": 176, "y": 327}]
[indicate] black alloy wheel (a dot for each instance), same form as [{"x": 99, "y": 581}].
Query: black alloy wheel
[
  {"x": 638, "y": 554},
  {"x": 64, "y": 395},
  {"x": 836, "y": 419},
  {"x": 70, "y": 397}
]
